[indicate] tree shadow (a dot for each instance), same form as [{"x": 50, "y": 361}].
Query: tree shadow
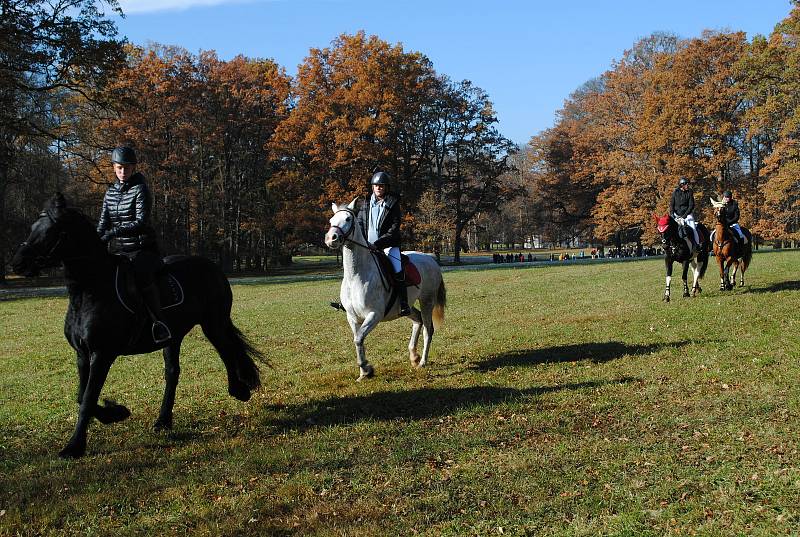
[
  {"x": 424, "y": 403},
  {"x": 594, "y": 352},
  {"x": 792, "y": 285}
]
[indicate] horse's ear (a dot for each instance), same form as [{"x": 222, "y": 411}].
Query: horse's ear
[
  {"x": 58, "y": 201},
  {"x": 352, "y": 204},
  {"x": 334, "y": 207}
]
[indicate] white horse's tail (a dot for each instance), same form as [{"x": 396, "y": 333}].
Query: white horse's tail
[{"x": 439, "y": 305}]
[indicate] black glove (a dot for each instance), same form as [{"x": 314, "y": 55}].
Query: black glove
[{"x": 108, "y": 235}]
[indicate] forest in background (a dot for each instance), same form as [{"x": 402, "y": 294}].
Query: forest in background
[{"x": 245, "y": 159}]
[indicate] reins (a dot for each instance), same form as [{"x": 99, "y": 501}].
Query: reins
[{"x": 346, "y": 238}]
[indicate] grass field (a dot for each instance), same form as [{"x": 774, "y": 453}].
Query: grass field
[{"x": 561, "y": 400}]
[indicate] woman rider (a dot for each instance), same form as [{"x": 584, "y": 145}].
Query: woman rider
[{"x": 125, "y": 225}]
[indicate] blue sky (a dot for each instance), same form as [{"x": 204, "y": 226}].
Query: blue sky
[{"x": 528, "y": 55}]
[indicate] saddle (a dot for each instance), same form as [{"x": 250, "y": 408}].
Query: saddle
[
  {"x": 169, "y": 288},
  {"x": 412, "y": 276}
]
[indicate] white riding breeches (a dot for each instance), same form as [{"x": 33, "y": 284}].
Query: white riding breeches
[
  {"x": 689, "y": 221},
  {"x": 393, "y": 253}
]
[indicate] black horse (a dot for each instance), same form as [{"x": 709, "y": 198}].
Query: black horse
[
  {"x": 676, "y": 250},
  {"x": 100, "y": 325}
]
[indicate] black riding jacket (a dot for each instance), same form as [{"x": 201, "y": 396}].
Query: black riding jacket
[
  {"x": 682, "y": 203},
  {"x": 126, "y": 216},
  {"x": 388, "y": 225},
  {"x": 731, "y": 212}
]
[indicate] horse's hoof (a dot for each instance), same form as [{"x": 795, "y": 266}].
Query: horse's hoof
[
  {"x": 666, "y": 298},
  {"x": 415, "y": 359},
  {"x": 162, "y": 425},
  {"x": 367, "y": 373},
  {"x": 241, "y": 392},
  {"x": 686, "y": 294},
  {"x": 111, "y": 412},
  {"x": 72, "y": 452}
]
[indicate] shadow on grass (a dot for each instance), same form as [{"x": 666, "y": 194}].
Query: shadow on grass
[
  {"x": 792, "y": 285},
  {"x": 424, "y": 403},
  {"x": 594, "y": 352}
]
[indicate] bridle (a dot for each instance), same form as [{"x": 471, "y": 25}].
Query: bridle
[
  {"x": 48, "y": 258},
  {"x": 721, "y": 243},
  {"x": 345, "y": 237}
]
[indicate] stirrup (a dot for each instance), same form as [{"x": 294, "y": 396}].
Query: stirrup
[{"x": 160, "y": 332}]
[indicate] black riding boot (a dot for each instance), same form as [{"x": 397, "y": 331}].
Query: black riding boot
[
  {"x": 402, "y": 290},
  {"x": 152, "y": 301}
]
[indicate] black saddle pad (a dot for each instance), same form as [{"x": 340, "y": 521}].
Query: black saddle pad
[{"x": 169, "y": 288}]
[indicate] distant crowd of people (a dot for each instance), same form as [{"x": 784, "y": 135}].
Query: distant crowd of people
[{"x": 595, "y": 253}]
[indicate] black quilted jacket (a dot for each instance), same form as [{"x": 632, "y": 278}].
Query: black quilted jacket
[{"x": 126, "y": 215}]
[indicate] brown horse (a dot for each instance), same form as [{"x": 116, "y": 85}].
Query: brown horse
[{"x": 729, "y": 251}]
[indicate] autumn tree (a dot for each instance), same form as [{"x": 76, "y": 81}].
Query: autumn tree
[
  {"x": 692, "y": 117},
  {"x": 771, "y": 80},
  {"x": 357, "y": 107},
  {"x": 48, "y": 51}
]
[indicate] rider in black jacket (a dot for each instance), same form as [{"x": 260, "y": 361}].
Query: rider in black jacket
[
  {"x": 681, "y": 207},
  {"x": 380, "y": 218},
  {"x": 731, "y": 214},
  {"x": 125, "y": 225}
]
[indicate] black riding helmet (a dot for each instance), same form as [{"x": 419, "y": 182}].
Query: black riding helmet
[
  {"x": 683, "y": 181},
  {"x": 123, "y": 155},
  {"x": 380, "y": 178},
  {"x": 727, "y": 194}
]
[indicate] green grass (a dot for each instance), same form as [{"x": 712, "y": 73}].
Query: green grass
[{"x": 560, "y": 400}]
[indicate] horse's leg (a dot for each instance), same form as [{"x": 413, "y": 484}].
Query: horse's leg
[
  {"x": 172, "y": 371},
  {"x": 728, "y": 284},
  {"x": 696, "y": 278},
  {"x": 684, "y": 277},
  {"x": 99, "y": 366},
  {"x": 668, "y": 263},
  {"x": 744, "y": 268},
  {"x": 359, "y": 334},
  {"x": 416, "y": 326},
  {"x": 427, "y": 331},
  {"x": 83, "y": 372},
  {"x": 735, "y": 272}
]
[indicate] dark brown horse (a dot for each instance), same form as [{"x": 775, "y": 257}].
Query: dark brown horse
[{"x": 730, "y": 251}]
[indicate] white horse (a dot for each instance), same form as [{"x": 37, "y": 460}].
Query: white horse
[{"x": 365, "y": 292}]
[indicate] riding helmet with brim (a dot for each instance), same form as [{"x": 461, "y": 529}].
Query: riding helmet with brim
[
  {"x": 380, "y": 178},
  {"x": 123, "y": 155}
]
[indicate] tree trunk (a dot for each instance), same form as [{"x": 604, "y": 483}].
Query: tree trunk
[{"x": 457, "y": 243}]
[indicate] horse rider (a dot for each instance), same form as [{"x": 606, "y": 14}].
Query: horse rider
[
  {"x": 381, "y": 217},
  {"x": 731, "y": 216},
  {"x": 681, "y": 207},
  {"x": 125, "y": 225}
]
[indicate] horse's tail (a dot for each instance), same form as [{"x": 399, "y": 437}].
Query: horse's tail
[
  {"x": 748, "y": 252},
  {"x": 246, "y": 354},
  {"x": 439, "y": 305},
  {"x": 238, "y": 354}
]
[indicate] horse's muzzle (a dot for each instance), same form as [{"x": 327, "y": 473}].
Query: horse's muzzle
[{"x": 332, "y": 240}]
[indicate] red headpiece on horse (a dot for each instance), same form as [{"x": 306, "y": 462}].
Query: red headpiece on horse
[{"x": 663, "y": 222}]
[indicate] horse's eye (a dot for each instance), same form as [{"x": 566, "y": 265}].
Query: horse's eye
[{"x": 347, "y": 219}]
